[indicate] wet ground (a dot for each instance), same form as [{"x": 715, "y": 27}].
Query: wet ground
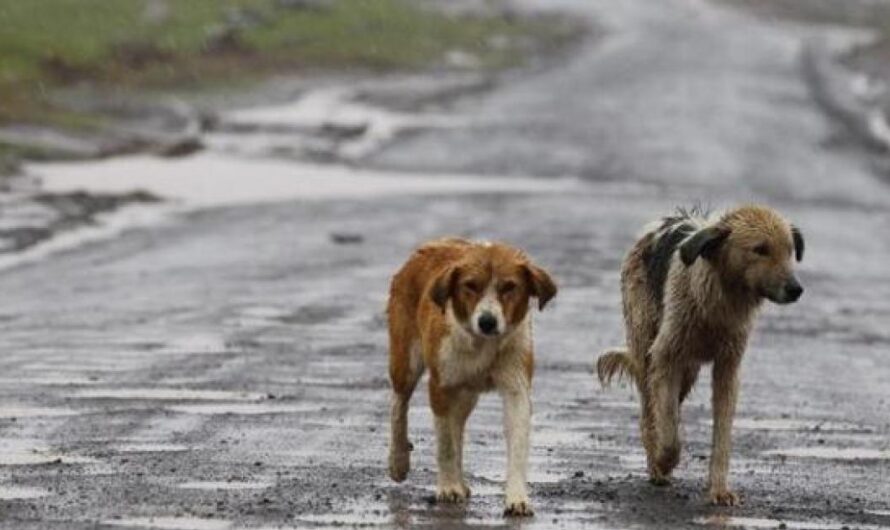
[{"x": 227, "y": 369}]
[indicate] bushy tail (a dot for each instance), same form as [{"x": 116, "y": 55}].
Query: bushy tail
[{"x": 617, "y": 362}]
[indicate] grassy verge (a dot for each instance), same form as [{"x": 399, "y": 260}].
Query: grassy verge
[{"x": 157, "y": 44}]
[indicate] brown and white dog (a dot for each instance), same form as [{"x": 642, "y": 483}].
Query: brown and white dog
[
  {"x": 692, "y": 286},
  {"x": 460, "y": 308}
]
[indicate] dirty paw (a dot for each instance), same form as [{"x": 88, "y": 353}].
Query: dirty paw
[
  {"x": 657, "y": 478},
  {"x": 519, "y": 508},
  {"x": 399, "y": 465},
  {"x": 724, "y": 498},
  {"x": 453, "y": 494}
]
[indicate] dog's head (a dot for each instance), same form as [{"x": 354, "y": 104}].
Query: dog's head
[
  {"x": 753, "y": 248},
  {"x": 490, "y": 288}
]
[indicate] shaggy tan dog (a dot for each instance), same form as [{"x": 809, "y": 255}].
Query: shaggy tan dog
[
  {"x": 460, "y": 308},
  {"x": 691, "y": 287}
]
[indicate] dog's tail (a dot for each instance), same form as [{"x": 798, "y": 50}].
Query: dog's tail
[{"x": 617, "y": 362}]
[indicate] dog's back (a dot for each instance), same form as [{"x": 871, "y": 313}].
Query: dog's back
[{"x": 644, "y": 274}]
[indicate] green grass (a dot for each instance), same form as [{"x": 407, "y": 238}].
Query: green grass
[{"x": 47, "y": 44}]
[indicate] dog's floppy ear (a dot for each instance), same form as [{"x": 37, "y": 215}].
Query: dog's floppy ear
[
  {"x": 702, "y": 243},
  {"x": 797, "y": 236},
  {"x": 443, "y": 286},
  {"x": 541, "y": 284}
]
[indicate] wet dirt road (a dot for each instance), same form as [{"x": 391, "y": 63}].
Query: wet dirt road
[{"x": 228, "y": 369}]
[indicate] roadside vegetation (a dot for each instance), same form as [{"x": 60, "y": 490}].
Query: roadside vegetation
[{"x": 136, "y": 45}]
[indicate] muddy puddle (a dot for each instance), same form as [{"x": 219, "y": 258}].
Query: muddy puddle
[
  {"x": 727, "y": 521},
  {"x": 169, "y": 523},
  {"x": 831, "y": 453}
]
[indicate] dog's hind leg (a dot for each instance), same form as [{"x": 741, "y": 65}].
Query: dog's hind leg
[{"x": 724, "y": 396}]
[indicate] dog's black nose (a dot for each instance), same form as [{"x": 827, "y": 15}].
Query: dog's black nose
[
  {"x": 488, "y": 324},
  {"x": 793, "y": 290}
]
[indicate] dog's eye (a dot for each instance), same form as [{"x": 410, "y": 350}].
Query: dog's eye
[
  {"x": 761, "y": 249},
  {"x": 508, "y": 287},
  {"x": 473, "y": 287}
]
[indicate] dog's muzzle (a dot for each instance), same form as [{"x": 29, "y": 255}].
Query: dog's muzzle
[
  {"x": 787, "y": 293},
  {"x": 488, "y": 324},
  {"x": 793, "y": 290}
]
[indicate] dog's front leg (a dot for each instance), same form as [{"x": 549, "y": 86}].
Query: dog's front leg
[
  {"x": 450, "y": 486},
  {"x": 665, "y": 385},
  {"x": 517, "y": 424},
  {"x": 724, "y": 394}
]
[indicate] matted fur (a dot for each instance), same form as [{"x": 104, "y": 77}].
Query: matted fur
[
  {"x": 691, "y": 288},
  {"x": 436, "y": 305}
]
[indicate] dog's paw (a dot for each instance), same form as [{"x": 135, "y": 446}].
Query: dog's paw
[
  {"x": 399, "y": 465},
  {"x": 519, "y": 507},
  {"x": 724, "y": 497},
  {"x": 453, "y": 493},
  {"x": 667, "y": 459},
  {"x": 659, "y": 480}
]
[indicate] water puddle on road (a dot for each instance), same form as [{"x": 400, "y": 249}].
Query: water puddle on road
[
  {"x": 170, "y": 523},
  {"x": 725, "y": 521},
  {"x": 248, "y": 409},
  {"x": 168, "y": 394},
  {"x": 224, "y": 485},
  {"x": 44, "y": 379},
  {"x": 28, "y": 452},
  {"x": 200, "y": 343},
  {"x": 26, "y": 411},
  {"x": 831, "y": 453},
  {"x": 21, "y": 492},
  {"x": 151, "y": 448},
  {"x": 783, "y": 424}
]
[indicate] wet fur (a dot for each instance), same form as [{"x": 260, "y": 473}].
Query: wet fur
[
  {"x": 432, "y": 301},
  {"x": 691, "y": 287}
]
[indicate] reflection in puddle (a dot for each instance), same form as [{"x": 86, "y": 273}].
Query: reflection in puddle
[
  {"x": 45, "y": 379},
  {"x": 831, "y": 453},
  {"x": 375, "y": 518},
  {"x": 755, "y": 522},
  {"x": 170, "y": 523},
  {"x": 243, "y": 408},
  {"x": 151, "y": 448},
  {"x": 778, "y": 424},
  {"x": 25, "y": 411},
  {"x": 224, "y": 485},
  {"x": 21, "y": 492},
  {"x": 172, "y": 394},
  {"x": 199, "y": 343},
  {"x": 26, "y": 452}
]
